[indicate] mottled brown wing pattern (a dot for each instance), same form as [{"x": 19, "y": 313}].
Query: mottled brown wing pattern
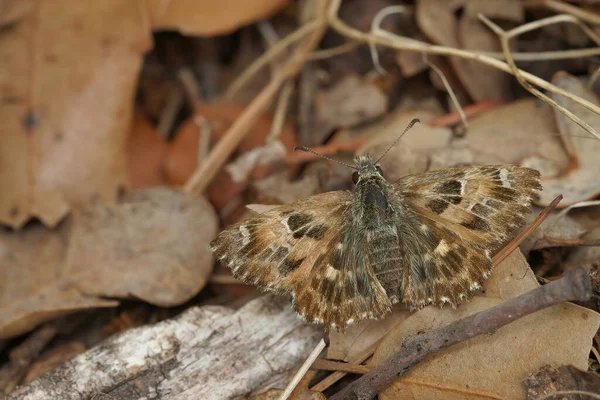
[
  {"x": 455, "y": 219},
  {"x": 305, "y": 248}
]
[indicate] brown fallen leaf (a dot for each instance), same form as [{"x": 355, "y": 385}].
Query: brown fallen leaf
[
  {"x": 492, "y": 366},
  {"x": 145, "y": 154},
  {"x": 71, "y": 80},
  {"x": 510, "y": 133},
  {"x": 349, "y": 102},
  {"x": 207, "y": 17},
  {"x": 34, "y": 286},
  {"x": 580, "y": 181},
  {"x": 438, "y": 20},
  {"x": 552, "y": 379},
  {"x": 154, "y": 247}
]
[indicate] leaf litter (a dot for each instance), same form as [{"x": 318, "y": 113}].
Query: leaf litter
[{"x": 77, "y": 149}]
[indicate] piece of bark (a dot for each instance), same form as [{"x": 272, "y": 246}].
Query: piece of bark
[{"x": 211, "y": 352}]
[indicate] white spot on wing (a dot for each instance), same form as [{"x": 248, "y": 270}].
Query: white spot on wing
[
  {"x": 424, "y": 228},
  {"x": 331, "y": 273},
  {"x": 350, "y": 321},
  {"x": 245, "y": 235},
  {"x": 504, "y": 178},
  {"x": 442, "y": 248},
  {"x": 444, "y": 300},
  {"x": 463, "y": 184},
  {"x": 285, "y": 223},
  {"x": 475, "y": 286}
]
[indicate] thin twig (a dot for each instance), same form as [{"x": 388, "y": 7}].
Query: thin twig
[
  {"x": 170, "y": 111},
  {"x": 283, "y": 103},
  {"x": 300, "y": 374},
  {"x": 546, "y": 242},
  {"x": 563, "y": 7},
  {"x": 446, "y": 84},
  {"x": 340, "y": 366},
  {"x": 335, "y": 51},
  {"x": 470, "y": 111},
  {"x": 575, "y": 285},
  {"x": 513, "y": 244},
  {"x": 356, "y": 360},
  {"x": 270, "y": 54}
]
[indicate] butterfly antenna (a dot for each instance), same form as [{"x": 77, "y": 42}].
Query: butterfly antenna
[
  {"x": 410, "y": 125},
  {"x": 306, "y": 149}
]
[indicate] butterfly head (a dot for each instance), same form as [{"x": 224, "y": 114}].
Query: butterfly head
[{"x": 366, "y": 168}]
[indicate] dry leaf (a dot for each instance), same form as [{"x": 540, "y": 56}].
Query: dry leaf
[
  {"x": 349, "y": 102},
  {"x": 579, "y": 182},
  {"x": 508, "y": 134},
  {"x": 437, "y": 19},
  {"x": 153, "y": 247},
  {"x": 146, "y": 150},
  {"x": 551, "y": 379},
  {"x": 564, "y": 227},
  {"x": 34, "y": 286},
  {"x": 13, "y": 10},
  {"x": 208, "y": 17},
  {"x": 492, "y": 366},
  {"x": 278, "y": 189},
  {"x": 412, "y": 154},
  {"x": 71, "y": 80}
]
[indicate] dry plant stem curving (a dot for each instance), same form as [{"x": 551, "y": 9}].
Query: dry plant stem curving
[
  {"x": 387, "y": 39},
  {"x": 575, "y": 285}
]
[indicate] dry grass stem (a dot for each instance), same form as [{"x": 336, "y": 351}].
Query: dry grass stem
[
  {"x": 455, "y": 101},
  {"x": 327, "y": 365},
  {"x": 300, "y": 374},
  {"x": 403, "y": 43},
  {"x": 356, "y": 360},
  {"x": 270, "y": 54}
]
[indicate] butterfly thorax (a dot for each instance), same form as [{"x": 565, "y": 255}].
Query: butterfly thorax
[{"x": 371, "y": 207}]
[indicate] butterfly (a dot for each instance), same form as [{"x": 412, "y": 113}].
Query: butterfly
[{"x": 348, "y": 256}]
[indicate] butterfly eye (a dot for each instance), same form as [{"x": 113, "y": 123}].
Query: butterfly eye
[
  {"x": 355, "y": 176},
  {"x": 378, "y": 168}
]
